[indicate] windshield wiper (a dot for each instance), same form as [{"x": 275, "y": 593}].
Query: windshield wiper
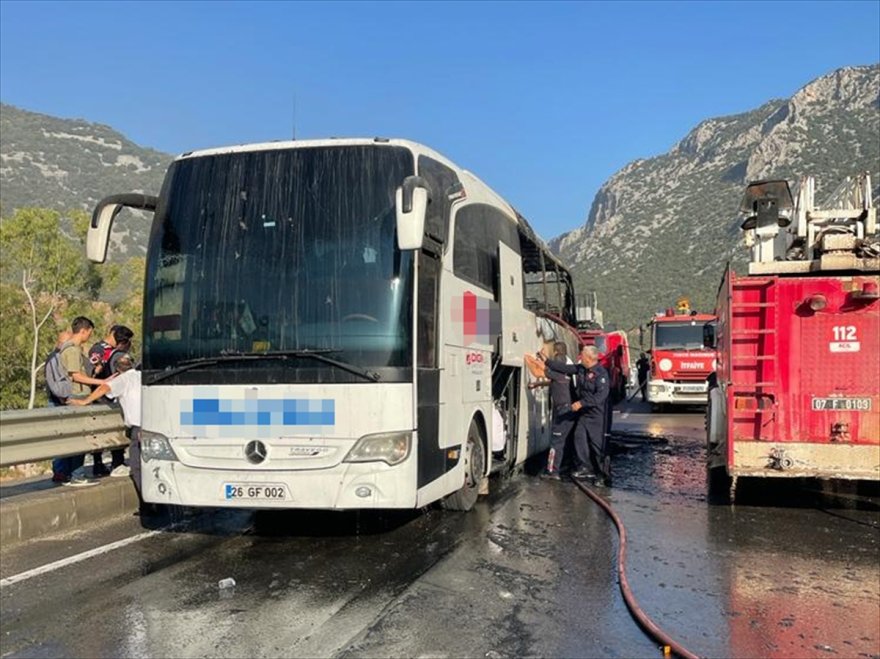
[
  {"x": 231, "y": 356},
  {"x": 320, "y": 355},
  {"x": 189, "y": 364}
]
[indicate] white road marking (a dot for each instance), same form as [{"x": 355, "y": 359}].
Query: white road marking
[{"x": 76, "y": 558}]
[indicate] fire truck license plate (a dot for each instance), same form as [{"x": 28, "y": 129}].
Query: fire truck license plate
[
  {"x": 271, "y": 491},
  {"x": 846, "y": 404}
]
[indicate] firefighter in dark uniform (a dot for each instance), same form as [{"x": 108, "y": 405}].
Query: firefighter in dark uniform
[
  {"x": 593, "y": 387},
  {"x": 643, "y": 366},
  {"x": 564, "y": 418},
  {"x": 593, "y": 390}
]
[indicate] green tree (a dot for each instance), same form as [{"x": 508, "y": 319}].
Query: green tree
[
  {"x": 42, "y": 257},
  {"x": 14, "y": 346}
]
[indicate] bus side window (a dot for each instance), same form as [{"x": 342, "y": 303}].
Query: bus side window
[
  {"x": 533, "y": 289},
  {"x": 479, "y": 229},
  {"x": 426, "y": 325},
  {"x": 546, "y": 286},
  {"x": 441, "y": 180}
]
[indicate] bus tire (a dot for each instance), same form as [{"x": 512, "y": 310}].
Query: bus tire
[
  {"x": 474, "y": 472},
  {"x": 156, "y": 515}
]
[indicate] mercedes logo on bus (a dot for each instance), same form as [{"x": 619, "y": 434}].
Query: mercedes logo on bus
[{"x": 255, "y": 452}]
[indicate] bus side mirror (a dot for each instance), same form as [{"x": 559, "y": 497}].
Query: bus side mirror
[
  {"x": 102, "y": 220},
  {"x": 411, "y": 203}
]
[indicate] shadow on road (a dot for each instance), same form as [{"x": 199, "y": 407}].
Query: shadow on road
[
  {"x": 329, "y": 523},
  {"x": 808, "y": 493}
]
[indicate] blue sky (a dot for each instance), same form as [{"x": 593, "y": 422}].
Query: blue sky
[{"x": 544, "y": 101}]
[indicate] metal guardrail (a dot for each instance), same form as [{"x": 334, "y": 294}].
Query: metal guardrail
[{"x": 55, "y": 432}]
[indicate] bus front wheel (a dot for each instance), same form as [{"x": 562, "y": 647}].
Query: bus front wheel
[{"x": 474, "y": 472}]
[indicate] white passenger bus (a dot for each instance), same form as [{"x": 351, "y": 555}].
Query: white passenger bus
[{"x": 337, "y": 324}]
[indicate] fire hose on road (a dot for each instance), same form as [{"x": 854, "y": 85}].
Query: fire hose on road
[{"x": 649, "y": 626}]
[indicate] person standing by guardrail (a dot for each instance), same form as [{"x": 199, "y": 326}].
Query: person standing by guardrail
[{"x": 125, "y": 388}]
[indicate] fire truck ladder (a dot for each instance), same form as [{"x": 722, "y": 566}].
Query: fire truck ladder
[{"x": 755, "y": 376}]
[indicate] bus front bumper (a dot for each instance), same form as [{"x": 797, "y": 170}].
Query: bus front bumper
[
  {"x": 344, "y": 486},
  {"x": 678, "y": 393}
]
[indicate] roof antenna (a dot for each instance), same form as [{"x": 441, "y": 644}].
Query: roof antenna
[{"x": 294, "y": 115}]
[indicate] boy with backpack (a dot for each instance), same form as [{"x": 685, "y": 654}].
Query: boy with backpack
[{"x": 67, "y": 378}]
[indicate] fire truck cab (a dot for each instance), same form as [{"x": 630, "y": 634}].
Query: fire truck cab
[{"x": 682, "y": 356}]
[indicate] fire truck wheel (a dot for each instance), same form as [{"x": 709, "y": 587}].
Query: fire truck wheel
[
  {"x": 474, "y": 472},
  {"x": 718, "y": 485}
]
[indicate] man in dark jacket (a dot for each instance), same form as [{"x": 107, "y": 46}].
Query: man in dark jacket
[{"x": 593, "y": 386}]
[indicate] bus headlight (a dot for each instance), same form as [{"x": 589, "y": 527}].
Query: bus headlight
[
  {"x": 389, "y": 447},
  {"x": 155, "y": 446}
]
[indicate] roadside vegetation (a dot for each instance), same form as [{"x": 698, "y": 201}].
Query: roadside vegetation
[{"x": 45, "y": 281}]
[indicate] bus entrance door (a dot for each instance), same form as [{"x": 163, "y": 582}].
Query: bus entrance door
[{"x": 514, "y": 322}]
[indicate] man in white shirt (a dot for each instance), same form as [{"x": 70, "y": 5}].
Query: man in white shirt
[{"x": 125, "y": 388}]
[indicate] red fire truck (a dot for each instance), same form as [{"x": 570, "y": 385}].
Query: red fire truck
[
  {"x": 681, "y": 360},
  {"x": 613, "y": 355},
  {"x": 797, "y": 388}
]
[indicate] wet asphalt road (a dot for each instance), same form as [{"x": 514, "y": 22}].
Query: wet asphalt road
[{"x": 529, "y": 572}]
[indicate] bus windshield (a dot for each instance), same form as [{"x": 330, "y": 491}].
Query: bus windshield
[
  {"x": 678, "y": 336},
  {"x": 281, "y": 250}
]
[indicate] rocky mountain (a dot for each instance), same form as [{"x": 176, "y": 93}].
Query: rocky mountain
[
  {"x": 69, "y": 163},
  {"x": 667, "y": 226}
]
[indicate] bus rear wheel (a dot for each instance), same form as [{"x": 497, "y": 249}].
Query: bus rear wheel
[{"x": 474, "y": 472}]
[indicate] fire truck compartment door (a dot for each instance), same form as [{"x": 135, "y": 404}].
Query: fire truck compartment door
[{"x": 514, "y": 320}]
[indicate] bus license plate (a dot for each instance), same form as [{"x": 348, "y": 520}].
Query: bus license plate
[
  {"x": 263, "y": 491},
  {"x": 842, "y": 404}
]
